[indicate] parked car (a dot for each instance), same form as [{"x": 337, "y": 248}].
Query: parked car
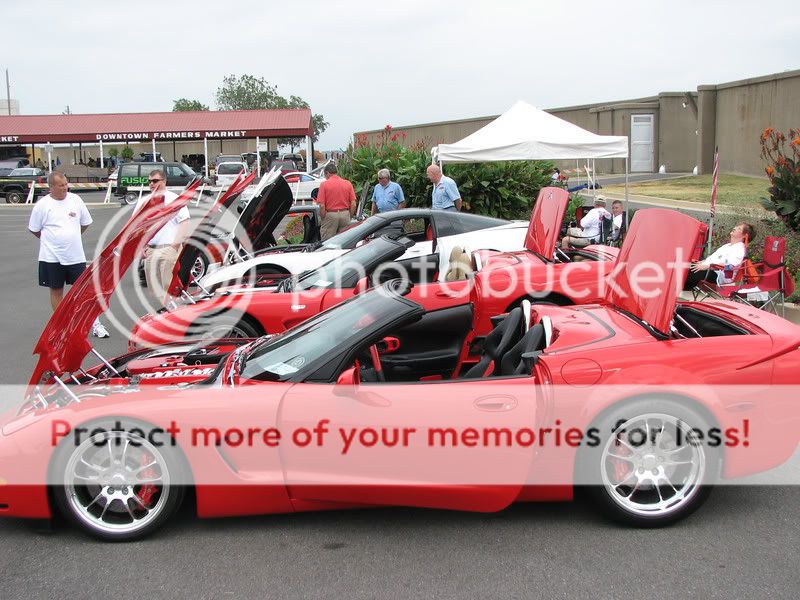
[
  {"x": 16, "y": 185},
  {"x": 226, "y": 172},
  {"x": 426, "y": 226},
  {"x": 134, "y": 174},
  {"x": 304, "y": 186},
  {"x": 533, "y": 273},
  {"x": 285, "y": 166},
  {"x": 296, "y": 158},
  {"x": 149, "y": 157},
  {"x": 114, "y": 447},
  {"x": 221, "y": 158}
]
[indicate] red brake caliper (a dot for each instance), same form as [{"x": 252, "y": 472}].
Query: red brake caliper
[{"x": 146, "y": 491}]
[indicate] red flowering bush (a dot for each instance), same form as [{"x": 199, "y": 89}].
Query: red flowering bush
[{"x": 782, "y": 153}]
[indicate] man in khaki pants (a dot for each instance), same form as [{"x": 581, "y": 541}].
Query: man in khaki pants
[
  {"x": 337, "y": 203},
  {"x": 162, "y": 250}
]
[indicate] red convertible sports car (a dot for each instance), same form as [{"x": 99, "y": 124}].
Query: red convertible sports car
[
  {"x": 623, "y": 398},
  {"x": 271, "y": 304}
]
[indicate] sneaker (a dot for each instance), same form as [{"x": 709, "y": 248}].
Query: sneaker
[{"x": 99, "y": 331}]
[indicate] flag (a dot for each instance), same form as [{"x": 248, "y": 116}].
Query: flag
[{"x": 714, "y": 183}]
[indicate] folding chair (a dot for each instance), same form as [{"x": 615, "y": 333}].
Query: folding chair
[
  {"x": 767, "y": 290},
  {"x": 774, "y": 283}
]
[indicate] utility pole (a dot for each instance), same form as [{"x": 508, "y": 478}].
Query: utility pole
[{"x": 8, "y": 94}]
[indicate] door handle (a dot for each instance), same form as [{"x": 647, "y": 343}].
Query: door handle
[{"x": 496, "y": 403}]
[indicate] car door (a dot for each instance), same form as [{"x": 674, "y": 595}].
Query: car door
[
  {"x": 437, "y": 445},
  {"x": 176, "y": 176}
]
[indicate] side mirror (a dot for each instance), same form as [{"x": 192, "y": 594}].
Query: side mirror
[{"x": 346, "y": 383}]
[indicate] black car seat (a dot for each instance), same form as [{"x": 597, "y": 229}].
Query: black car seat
[
  {"x": 518, "y": 359},
  {"x": 505, "y": 335}
]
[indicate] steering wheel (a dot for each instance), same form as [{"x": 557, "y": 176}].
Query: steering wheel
[
  {"x": 376, "y": 363},
  {"x": 561, "y": 255}
]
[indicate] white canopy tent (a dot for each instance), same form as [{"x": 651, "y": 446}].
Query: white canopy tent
[{"x": 525, "y": 132}]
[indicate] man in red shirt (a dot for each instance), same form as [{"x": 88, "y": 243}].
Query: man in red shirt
[{"x": 337, "y": 202}]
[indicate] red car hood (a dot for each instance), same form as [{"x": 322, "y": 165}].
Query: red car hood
[
  {"x": 546, "y": 219},
  {"x": 653, "y": 264},
  {"x": 202, "y": 235},
  {"x": 64, "y": 343}
]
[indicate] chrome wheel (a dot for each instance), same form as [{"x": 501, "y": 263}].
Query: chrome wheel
[
  {"x": 650, "y": 467},
  {"x": 198, "y": 268},
  {"x": 117, "y": 484}
]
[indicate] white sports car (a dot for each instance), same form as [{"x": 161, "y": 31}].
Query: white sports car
[{"x": 435, "y": 233}]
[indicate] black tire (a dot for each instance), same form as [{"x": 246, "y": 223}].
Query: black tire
[
  {"x": 226, "y": 325},
  {"x": 130, "y": 198},
  {"x": 629, "y": 491},
  {"x": 119, "y": 509},
  {"x": 15, "y": 197}
]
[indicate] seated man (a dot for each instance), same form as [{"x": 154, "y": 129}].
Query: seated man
[
  {"x": 591, "y": 225},
  {"x": 618, "y": 218},
  {"x": 721, "y": 267}
]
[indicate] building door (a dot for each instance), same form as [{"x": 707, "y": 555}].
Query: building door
[{"x": 642, "y": 143}]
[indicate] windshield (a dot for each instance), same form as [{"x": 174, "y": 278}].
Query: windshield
[
  {"x": 345, "y": 271},
  {"x": 351, "y": 236},
  {"x": 282, "y": 356},
  {"x": 230, "y": 168}
]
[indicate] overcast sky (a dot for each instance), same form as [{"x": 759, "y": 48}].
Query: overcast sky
[{"x": 365, "y": 64}]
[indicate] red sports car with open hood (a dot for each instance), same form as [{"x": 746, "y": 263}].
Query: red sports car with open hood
[
  {"x": 270, "y": 304},
  {"x": 642, "y": 399}
]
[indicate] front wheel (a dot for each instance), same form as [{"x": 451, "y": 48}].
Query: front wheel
[
  {"x": 121, "y": 483},
  {"x": 649, "y": 469},
  {"x": 200, "y": 267}
]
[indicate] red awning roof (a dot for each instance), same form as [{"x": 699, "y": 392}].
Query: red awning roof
[{"x": 121, "y": 127}]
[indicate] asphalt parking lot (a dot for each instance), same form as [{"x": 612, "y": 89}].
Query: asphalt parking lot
[{"x": 744, "y": 542}]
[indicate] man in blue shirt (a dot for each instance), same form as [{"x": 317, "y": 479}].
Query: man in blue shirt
[
  {"x": 387, "y": 195},
  {"x": 445, "y": 192}
]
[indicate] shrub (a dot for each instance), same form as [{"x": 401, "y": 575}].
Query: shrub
[
  {"x": 499, "y": 189},
  {"x": 783, "y": 170}
]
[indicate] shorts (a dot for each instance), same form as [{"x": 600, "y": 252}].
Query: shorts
[{"x": 55, "y": 275}]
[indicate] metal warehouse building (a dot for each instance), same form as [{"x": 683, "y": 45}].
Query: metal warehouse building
[{"x": 678, "y": 130}]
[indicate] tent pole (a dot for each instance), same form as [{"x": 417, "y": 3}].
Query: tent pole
[{"x": 626, "y": 181}]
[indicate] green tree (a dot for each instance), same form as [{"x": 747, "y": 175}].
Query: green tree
[
  {"x": 184, "y": 104},
  {"x": 255, "y": 93}
]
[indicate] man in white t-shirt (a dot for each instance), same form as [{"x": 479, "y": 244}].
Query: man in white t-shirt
[
  {"x": 163, "y": 249},
  {"x": 59, "y": 220},
  {"x": 591, "y": 226}
]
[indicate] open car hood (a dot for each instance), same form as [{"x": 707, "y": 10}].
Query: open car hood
[
  {"x": 546, "y": 219},
  {"x": 270, "y": 203},
  {"x": 63, "y": 343},
  {"x": 653, "y": 263},
  {"x": 203, "y": 234}
]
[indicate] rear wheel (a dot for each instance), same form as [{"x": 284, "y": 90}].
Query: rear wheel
[
  {"x": 131, "y": 198},
  {"x": 648, "y": 470},
  {"x": 15, "y": 197},
  {"x": 121, "y": 483}
]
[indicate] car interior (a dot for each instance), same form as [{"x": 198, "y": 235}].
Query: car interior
[
  {"x": 689, "y": 322},
  {"x": 433, "y": 348}
]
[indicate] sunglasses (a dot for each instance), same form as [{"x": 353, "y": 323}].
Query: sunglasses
[{"x": 154, "y": 180}]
